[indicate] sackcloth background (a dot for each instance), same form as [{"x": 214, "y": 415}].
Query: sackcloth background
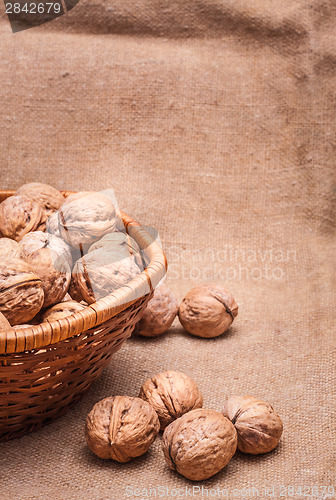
[{"x": 214, "y": 122}]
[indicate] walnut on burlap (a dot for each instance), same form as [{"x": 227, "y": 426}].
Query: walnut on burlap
[{"x": 214, "y": 122}]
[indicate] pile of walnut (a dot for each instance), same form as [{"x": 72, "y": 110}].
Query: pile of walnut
[
  {"x": 196, "y": 442},
  {"x": 57, "y": 254}
]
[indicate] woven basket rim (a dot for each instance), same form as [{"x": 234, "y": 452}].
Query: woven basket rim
[{"x": 38, "y": 336}]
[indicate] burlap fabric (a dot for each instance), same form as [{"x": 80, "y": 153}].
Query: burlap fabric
[{"x": 213, "y": 120}]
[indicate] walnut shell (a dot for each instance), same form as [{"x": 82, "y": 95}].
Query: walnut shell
[
  {"x": 159, "y": 314},
  {"x": 74, "y": 293},
  {"x": 4, "y": 323},
  {"x": 21, "y": 291},
  {"x": 86, "y": 218},
  {"x": 9, "y": 249},
  {"x": 36, "y": 240},
  {"x": 171, "y": 394},
  {"x": 77, "y": 196},
  {"x": 258, "y": 427},
  {"x": 18, "y": 216},
  {"x": 121, "y": 428},
  {"x": 50, "y": 259},
  {"x": 49, "y": 198},
  {"x": 23, "y": 326},
  {"x": 97, "y": 274},
  {"x": 199, "y": 444},
  {"x": 122, "y": 245},
  {"x": 52, "y": 225},
  {"x": 207, "y": 311},
  {"x": 62, "y": 310}
]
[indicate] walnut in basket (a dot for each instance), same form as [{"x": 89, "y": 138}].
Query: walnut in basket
[
  {"x": 77, "y": 196},
  {"x": 9, "y": 249},
  {"x": 21, "y": 291},
  {"x": 62, "y": 310},
  {"x": 97, "y": 274},
  {"x": 4, "y": 323},
  {"x": 207, "y": 310},
  {"x": 52, "y": 225},
  {"x": 159, "y": 314},
  {"x": 18, "y": 216},
  {"x": 85, "y": 217},
  {"x": 49, "y": 198},
  {"x": 121, "y": 428},
  {"x": 50, "y": 259},
  {"x": 171, "y": 394},
  {"x": 199, "y": 444},
  {"x": 36, "y": 240},
  {"x": 121, "y": 245},
  {"x": 73, "y": 291}
]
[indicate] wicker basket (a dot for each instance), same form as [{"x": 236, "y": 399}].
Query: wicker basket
[{"x": 47, "y": 368}]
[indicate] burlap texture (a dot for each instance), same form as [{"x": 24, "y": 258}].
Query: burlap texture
[{"x": 213, "y": 120}]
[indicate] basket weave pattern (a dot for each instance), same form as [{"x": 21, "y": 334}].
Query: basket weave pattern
[{"x": 47, "y": 368}]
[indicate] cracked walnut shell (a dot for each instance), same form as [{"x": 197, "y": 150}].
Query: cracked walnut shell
[
  {"x": 207, "y": 311},
  {"x": 18, "y": 216},
  {"x": 199, "y": 444},
  {"x": 21, "y": 292},
  {"x": 171, "y": 394},
  {"x": 159, "y": 313},
  {"x": 121, "y": 428},
  {"x": 259, "y": 427}
]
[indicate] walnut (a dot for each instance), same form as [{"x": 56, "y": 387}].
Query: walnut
[
  {"x": 4, "y": 323},
  {"x": 36, "y": 240},
  {"x": 259, "y": 428},
  {"x": 9, "y": 249},
  {"x": 21, "y": 291},
  {"x": 207, "y": 311},
  {"x": 85, "y": 218},
  {"x": 62, "y": 310},
  {"x": 23, "y": 326},
  {"x": 171, "y": 394},
  {"x": 49, "y": 198},
  {"x": 121, "y": 428},
  {"x": 50, "y": 259},
  {"x": 121, "y": 245},
  {"x": 18, "y": 216},
  {"x": 199, "y": 444},
  {"x": 74, "y": 293},
  {"x": 77, "y": 196},
  {"x": 52, "y": 225},
  {"x": 159, "y": 314},
  {"x": 97, "y": 274}
]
